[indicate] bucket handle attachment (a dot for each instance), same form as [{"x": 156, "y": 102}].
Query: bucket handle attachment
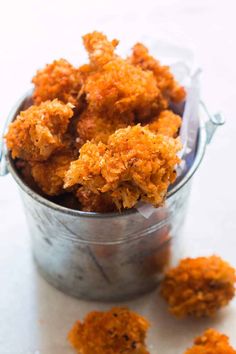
[
  {"x": 13, "y": 113},
  {"x": 3, "y": 152},
  {"x": 3, "y": 149},
  {"x": 214, "y": 121}
]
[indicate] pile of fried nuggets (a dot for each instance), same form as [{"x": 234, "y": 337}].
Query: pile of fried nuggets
[
  {"x": 197, "y": 287},
  {"x": 103, "y": 132}
]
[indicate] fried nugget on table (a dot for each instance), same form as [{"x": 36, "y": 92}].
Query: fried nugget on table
[
  {"x": 166, "y": 123},
  {"x": 118, "y": 330},
  {"x": 95, "y": 202},
  {"x": 117, "y": 86},
  {"x": 38, "y": 131},
  {"x": 135, "y": 164},
  {"x": 199, "y": 286},
  {"x": 98, "y": 127},
  {"x": 169, "y": 87},
  {"x": 57, "y": 80},
  {"x": 211, "y": 342},
  {"x": 49, "y": 175}
]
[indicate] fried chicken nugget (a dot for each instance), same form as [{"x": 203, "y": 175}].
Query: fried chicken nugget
[
  {"x": 166, "y": 123},
  {"x": 211, "y": 342},
  {"x": 135, "y": 164},
  {"x": 169, "y": 87},
  {"x": 49, "y": 175},
  {"x": 118, "y": 330},
  {"x": 100, "y": 50},
  {"x": 38, "y": 131},
  {"x": 98, "y": 127},
  {"x": 95, "y": 202},
  {"x": 57, "y": 80},
  {"x": 199, "y": 286},
  {"x": 117, "y": 86}
]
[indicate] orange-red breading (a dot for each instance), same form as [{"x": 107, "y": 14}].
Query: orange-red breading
[
  {"x": 116, "y": 331},
  {"x": 135, "y": 164},
  {"x": 95, "y": 202},
  {"x": 211, "y": 342},
  {"x": 57, "y": 80},
  {"x": 38, "y": 132},
  {"x": 100, "y": 50},
  {"x": 117, "y": 86},
  {"x": 169, "y": 87},
  {"x": 98, "y": 127},
  {"x": 199, "y": 286},
  {"x": 49, "y": 175},
  {"x": 166, "y": 123},
  {"x": 96, "y": 106}
]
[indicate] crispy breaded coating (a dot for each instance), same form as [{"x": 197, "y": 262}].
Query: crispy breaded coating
[
  {"x": 170, "y": 89},
  {"x": 49, "y": 175},
  {"x": 57, "y": 80},
  {"x": 166, "y": 123},
  {"x": 98, "y": 127},
  {"x": 100, "y": 50},
  {"x": 121, "y": 88},
  {"x": 95, "y": 202},
  {"x": 84, "y": 71},
  {"x": 211, "y": 342},
  {"x": 96, "y": 106},
  {"x": 117, "y": 86},
  {"x": 135, "y": 164},
  {"x": 199, "y": 286},
  {"x": 38, "y": 131},
  {"x": 116, "y": 331}
]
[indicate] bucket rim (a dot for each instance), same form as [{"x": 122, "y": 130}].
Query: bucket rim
[{"x": 200, "y": 152}]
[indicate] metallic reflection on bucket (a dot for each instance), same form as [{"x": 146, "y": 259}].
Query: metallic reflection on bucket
[{"x": 106, "y": 257}]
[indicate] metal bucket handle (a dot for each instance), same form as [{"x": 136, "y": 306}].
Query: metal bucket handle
[
  {"x": 3, "y": 149},
  {"x": 213, "y": 122}
]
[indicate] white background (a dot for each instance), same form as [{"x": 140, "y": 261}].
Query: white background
[{"x": 34, "y": 317}]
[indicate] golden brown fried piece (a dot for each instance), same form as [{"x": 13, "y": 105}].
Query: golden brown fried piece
[
  {"x": 116, "y": 331},
  {"x": 199, "y": 286},
  {"x": 116, "y": 86},
  {"x": 38, "y": 132},
  {"x": 170, "y": 89},
  {"x": 95, "y": 202},
  {"x": 166, "y": 123},
  {"x": 49, "y": 175},
  {"x": 100, "y": 50},
  {"x": 135, "y": 164},
  {"x": 96, "y": 127},
  {"x": 57, "y": 80},
  {"x": 211, "y": 342}
]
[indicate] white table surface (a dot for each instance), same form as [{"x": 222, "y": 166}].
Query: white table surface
[{"x": 35, "y": 317}]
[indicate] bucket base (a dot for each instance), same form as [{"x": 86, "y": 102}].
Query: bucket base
[{"x": 93, "y": 296}]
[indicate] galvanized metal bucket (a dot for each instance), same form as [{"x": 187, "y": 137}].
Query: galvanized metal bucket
[{"x": 106, "y": 257}]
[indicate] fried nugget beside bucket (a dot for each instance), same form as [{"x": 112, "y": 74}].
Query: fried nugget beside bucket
[
  {"x": 199, "y": 286},
  {"x": 118, "y": 330},
  {"x": 211, "y": 342}
]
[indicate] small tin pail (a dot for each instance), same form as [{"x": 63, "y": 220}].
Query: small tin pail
[{"x": 106, "y": 257}]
